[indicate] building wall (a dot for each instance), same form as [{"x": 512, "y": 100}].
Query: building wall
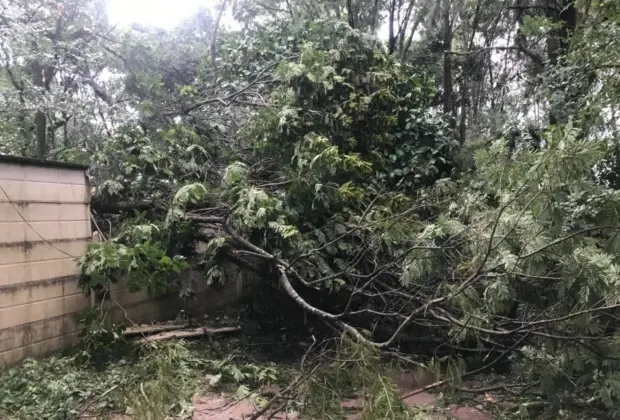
[{"x": 44, "y": 228}]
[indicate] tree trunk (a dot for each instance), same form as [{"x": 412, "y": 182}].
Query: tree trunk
[
  {"x": 41, "y": 133},
  {"x": 216, "y": 27},
  {"x": 65, "y": 130},
  {"x": 391, "y": 37},
  {"x": 350, "y": 14},
  {"x": 404, "y": 48},
  {"x": 558, "y": 43},
  {"x": 336, "y": 6},
  {"x": 464, "y": 101},
  {"x": 51, "y": 135},
  {"x": 40, "y": 121},
  {"x": 375, "y": 14},
  {"x": 448, "y": 100}
]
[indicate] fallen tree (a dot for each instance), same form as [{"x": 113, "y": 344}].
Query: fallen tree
[{"x": 351, "y": 205}]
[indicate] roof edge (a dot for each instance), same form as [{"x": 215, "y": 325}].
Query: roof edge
[{"x": 40, "y": 162}]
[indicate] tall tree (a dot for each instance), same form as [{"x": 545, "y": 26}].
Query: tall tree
[{"x": 53, "y": 56}]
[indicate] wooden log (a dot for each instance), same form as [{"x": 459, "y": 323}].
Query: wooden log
[
  {"x": 195, "y": 332},
  {"x": 152, "y": 328}
]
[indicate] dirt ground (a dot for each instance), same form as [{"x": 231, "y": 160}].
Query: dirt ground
[{"x": 226, "y": 407}]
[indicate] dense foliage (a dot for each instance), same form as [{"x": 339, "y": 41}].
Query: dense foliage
[
  {"x": 453, "y": 184},
  {"x": 162, "y": 381}
]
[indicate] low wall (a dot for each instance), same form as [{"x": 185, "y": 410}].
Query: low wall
[
  {"x": 140, "y": 308},
  {"x": 40, "y": 318},
  {"x": 44, "y": 229}
]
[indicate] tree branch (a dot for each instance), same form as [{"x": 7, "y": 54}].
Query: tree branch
[{"x": 225, "y": 100}]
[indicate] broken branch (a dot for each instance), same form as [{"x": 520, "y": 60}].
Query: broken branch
[{"x": 196, "y": 332}]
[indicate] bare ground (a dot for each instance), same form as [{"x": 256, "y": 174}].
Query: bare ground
[{"x": 227, "y": 407}]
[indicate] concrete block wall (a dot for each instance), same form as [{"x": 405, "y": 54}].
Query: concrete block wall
[
  {"x": 140, "y": 308},
  {"x": 44, "y": 229}
]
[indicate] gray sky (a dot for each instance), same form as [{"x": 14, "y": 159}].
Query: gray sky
[
  {"x": 167, "y": 13},
  {"x": 161, "y": 13}
]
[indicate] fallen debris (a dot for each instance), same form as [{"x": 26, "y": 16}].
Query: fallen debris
[
  {"x": 148, "y": 329},
  {"x": 195, "y": 332}
]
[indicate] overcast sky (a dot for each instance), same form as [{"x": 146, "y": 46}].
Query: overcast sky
[
  {"x": 168, "y": 13},
  {"x": 161, "y": 13}
]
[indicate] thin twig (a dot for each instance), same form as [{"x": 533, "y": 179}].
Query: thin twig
[
  {"x": 296, "y": 383},
  {"x": 82, "y": 411},
  {"x": 503, "y": 387},
  {"x": 473, "y": 372}
]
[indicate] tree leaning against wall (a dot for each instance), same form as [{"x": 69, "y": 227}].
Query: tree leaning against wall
[{"x": 456, "y": 185}]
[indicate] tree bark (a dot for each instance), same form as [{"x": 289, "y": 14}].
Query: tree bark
[
  {"x": 350, "y": 14},
  {"x": 397, "y": 37},
  {"x": 375, "y": 14},
  {"x": 197, "y": 332},
  {"x": 558, "y": 43},
  {"x": 41, "y": 133},
  {"x": 403, "y": 25},
  {"x": 65, "y": 130},
  {"x": 40, "y": 121},
  {"x": 391, "y": 36},
  {"x": 448, "y": 102},
  {"x": 471, "y": 66},
  {"x": 216, "y": 27},
  {"x": 407, "y": 45},
  {"x": 43, "y": 76},
  {"x": 464, "y": 102}
]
